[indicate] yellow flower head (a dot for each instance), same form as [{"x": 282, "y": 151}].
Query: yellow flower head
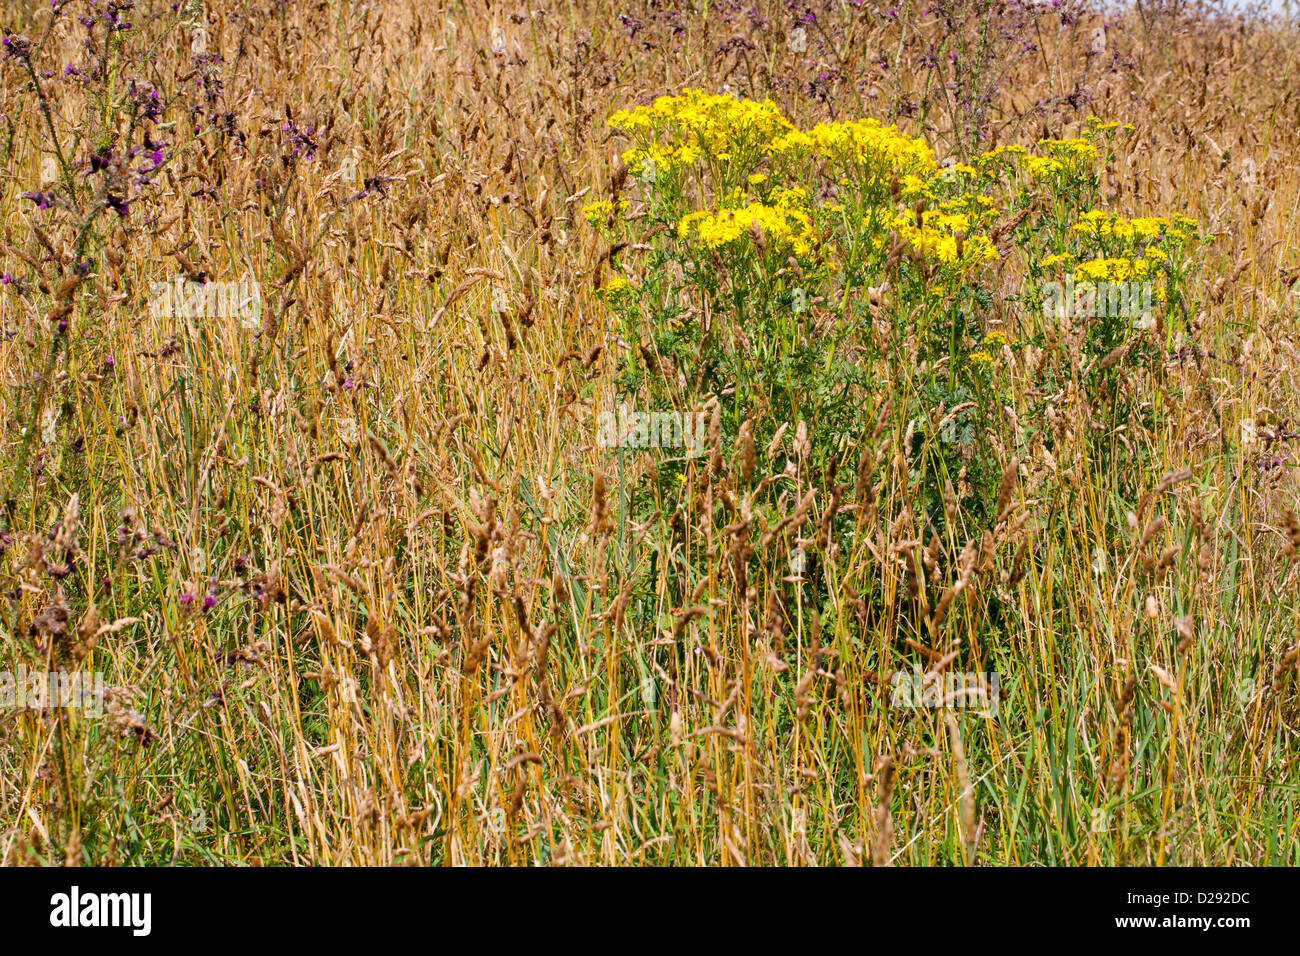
[
  {"x": 1100, "y": 224},
  {"x": 1112, "y": 270},
  {"x": 865, "y": 145},
  {"x": 598, "y": 211},
  {"x": 1077, "y": 151},
  {"x": 615, "y": 286},
  {"x": 783, "y": 223},
  {"x": 942, "y": 237},
  {"x": 1040, "y": 167},
  {"x": 678, "y": 131}
]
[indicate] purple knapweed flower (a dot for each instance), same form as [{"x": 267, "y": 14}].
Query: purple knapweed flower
[{"x": 16, "y": 47}]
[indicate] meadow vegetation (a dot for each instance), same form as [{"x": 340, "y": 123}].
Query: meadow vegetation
[{"x": 313, "y": 315}]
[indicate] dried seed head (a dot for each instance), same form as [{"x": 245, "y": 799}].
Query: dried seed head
[
  {"x": 1007, "y": 488},
  {"x": 1153, "y": 529},
  {"x": 1292, "y": 525},
  {"x": 745, "y": 459}
]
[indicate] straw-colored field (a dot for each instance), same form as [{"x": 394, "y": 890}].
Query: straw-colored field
[{"x": 448, "y": 452}]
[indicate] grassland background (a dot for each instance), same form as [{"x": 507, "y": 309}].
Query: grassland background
[{"x": 434, "y": 638}]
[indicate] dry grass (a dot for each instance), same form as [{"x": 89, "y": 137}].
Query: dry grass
[{"x": 445, "y": 627}]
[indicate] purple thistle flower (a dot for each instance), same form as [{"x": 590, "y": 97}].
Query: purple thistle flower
[
  {"x": 16, "y": 47},
  {"x": 99, "y": 161}
]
